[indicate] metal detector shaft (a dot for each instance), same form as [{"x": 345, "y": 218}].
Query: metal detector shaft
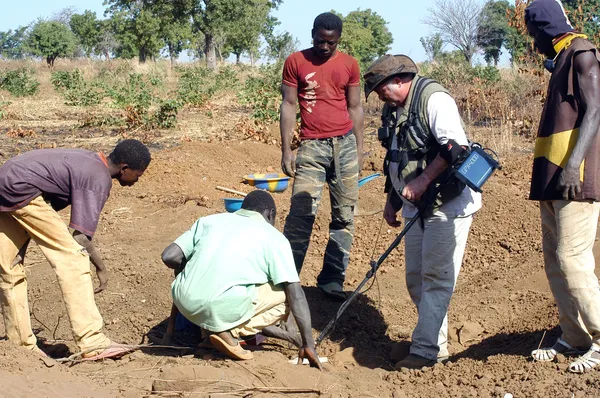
[{"x": 374, "y": 267}]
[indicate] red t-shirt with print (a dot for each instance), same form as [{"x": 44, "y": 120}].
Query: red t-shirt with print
[{"x": 322, "y": 89}]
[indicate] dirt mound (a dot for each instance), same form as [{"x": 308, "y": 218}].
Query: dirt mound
[
  {"x": 499, "y": 313},
  {"x": 25, "y": 374}
]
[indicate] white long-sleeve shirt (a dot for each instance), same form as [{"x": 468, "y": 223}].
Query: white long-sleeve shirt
[{"x": 445, "y": 124}]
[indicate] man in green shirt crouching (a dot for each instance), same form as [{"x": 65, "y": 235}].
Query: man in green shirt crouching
[{"x": 237, "y": 278}]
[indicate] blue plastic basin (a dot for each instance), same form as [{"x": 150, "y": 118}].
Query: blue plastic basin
[
  {"x": 273, "y": 182},
  {"x": 232, "y": 204},
  {"x": 364, "y": 180}
]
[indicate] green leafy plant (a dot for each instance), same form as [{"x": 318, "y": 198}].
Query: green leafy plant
[
  {"x": 166, "y": 115},
  {"x": 262, "y": 93},
  {"x": 19, "y": 82},
  {"x": 134, "y": 91},
  {"x": 196, "y": 85},
  {"x": 3, "y": 105},
  {"x": 75, "y": 90}
]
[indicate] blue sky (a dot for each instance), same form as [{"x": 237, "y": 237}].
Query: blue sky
[{"x": 296, "y": 16}]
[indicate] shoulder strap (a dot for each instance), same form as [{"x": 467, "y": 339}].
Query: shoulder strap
[{"x": 422, "y": 83}]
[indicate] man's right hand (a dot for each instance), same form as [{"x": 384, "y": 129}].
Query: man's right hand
[
  {"x": 311, "y": 355},
  {"x": 288, "y": 162},
  {"x": 389, "y": 214},
  {"x": 103, "y": 279}
]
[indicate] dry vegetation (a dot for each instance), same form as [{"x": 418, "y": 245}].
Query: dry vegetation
[{"x": 498, "y": 105}]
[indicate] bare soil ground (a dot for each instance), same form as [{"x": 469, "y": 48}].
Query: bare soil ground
[{"x": 499, "y": 313}]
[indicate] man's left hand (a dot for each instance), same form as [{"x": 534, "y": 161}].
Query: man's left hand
[
  {"x": 568, "y": 183},
  {"x": 103, "y": 278},
  {"x": 415, "y": 189}
]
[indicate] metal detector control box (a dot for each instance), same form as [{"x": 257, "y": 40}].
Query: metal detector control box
[{"x": 476, "y": 169}]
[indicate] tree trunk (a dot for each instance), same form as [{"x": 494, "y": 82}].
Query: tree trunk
[
  {"x": 251, "y": 59},
  {"x": 209, "y": 52},
  {"x": 237, "y": 58},
  {"x": 107, "y": 55},
  {"x": 142, "y": 55}
]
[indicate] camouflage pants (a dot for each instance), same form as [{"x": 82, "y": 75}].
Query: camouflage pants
[{"x": 335, "y": 161}]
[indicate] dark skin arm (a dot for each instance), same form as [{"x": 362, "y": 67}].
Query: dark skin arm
[
  {"x": 286, "y": 127},
  {"x": 587, "y": 73},
  {"x": 299, "y": 306},
  {"x": 355, "y": 110},
  {"x": 101, "y": 270},
  {"x": 20, "y": 257},
  {"x": 173, "y": 258}
]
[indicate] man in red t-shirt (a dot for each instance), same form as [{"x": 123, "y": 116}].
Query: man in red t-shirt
[{"x": 326, "y": 84}]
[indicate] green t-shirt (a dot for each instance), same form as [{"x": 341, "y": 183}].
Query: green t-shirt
[{"x": 227, "y": 256}]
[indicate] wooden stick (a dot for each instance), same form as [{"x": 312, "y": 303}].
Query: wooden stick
[{"x": 231, "y": 191}]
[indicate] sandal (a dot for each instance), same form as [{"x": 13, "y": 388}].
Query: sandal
[
  {"x": 113, "y": 351},
  {"x": 548, "y": 354},
  {"x": 587, "y": 361},
  {"x": 232, "y": 351},
  {"x": 333, "y": 290}
]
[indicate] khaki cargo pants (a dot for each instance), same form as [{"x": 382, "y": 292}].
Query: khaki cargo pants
[
  {"x": 68, "y": 259},
  {"x": 270, "y": 307}
]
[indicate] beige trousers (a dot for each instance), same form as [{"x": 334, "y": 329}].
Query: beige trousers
[
  {"x": 569, "y": 231},
  {"x": 270, "y": 307},
  {"x": 68, "y": 259}
]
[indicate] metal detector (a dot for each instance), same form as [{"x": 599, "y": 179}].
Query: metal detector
[{"x": 474, "y": 170}]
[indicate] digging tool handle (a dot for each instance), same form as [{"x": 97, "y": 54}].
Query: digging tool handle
[
  {"x": 231, "y": 191},
  {"x": 374, "y": 267},
  {"x": 375, "y": 264}
]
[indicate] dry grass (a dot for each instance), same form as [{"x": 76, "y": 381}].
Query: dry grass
[{"x": 502, "y": 115}]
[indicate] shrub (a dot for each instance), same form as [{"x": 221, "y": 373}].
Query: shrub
[
  {"x": 262, "y": 93},
  {"x": 75, "y": 90},
  {"x": 19, "y": 82},
  {"x": 166, "y": 115},
  {"x": 198, "y": 84},
  {"x": 3, "y": 106},
  {"x": 135, "y": 91}
]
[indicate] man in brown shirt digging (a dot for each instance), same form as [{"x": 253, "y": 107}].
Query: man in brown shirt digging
[{"x": 33, "y": 187}]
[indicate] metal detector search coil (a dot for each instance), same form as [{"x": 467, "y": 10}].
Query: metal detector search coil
[{"x": 477, "y": 168}]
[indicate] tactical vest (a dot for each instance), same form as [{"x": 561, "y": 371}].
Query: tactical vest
[{"x": 417, "y": 146}]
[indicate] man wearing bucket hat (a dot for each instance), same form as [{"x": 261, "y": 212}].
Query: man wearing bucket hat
[
  {"x": 566, "y": 181},
  {"x": 423, "y": 134}
]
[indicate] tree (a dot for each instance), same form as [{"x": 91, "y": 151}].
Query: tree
[
  {"x": 243, "y": 34},
  {"x": 137, "y": 28},
  {"x": 64, "y": 16},
  {"x": 457, "y": 22},
  {"x": 365, "y": 36},
  {"x": 51, "y": 40},
  {"x": 493, "y": 30},
  {"x": 87, "y": 29},
  {"x": 107, "y": 42},
  {"x": 584, "y": 17},
  {"x": 212, "y": 18},
  {"x": 280, "y": 46},
  {"x": 433, "y": 46},
  {"x": 11, "y": 43}
]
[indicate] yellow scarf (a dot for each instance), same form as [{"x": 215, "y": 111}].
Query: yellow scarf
[{"x": 565, "y": 40}]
